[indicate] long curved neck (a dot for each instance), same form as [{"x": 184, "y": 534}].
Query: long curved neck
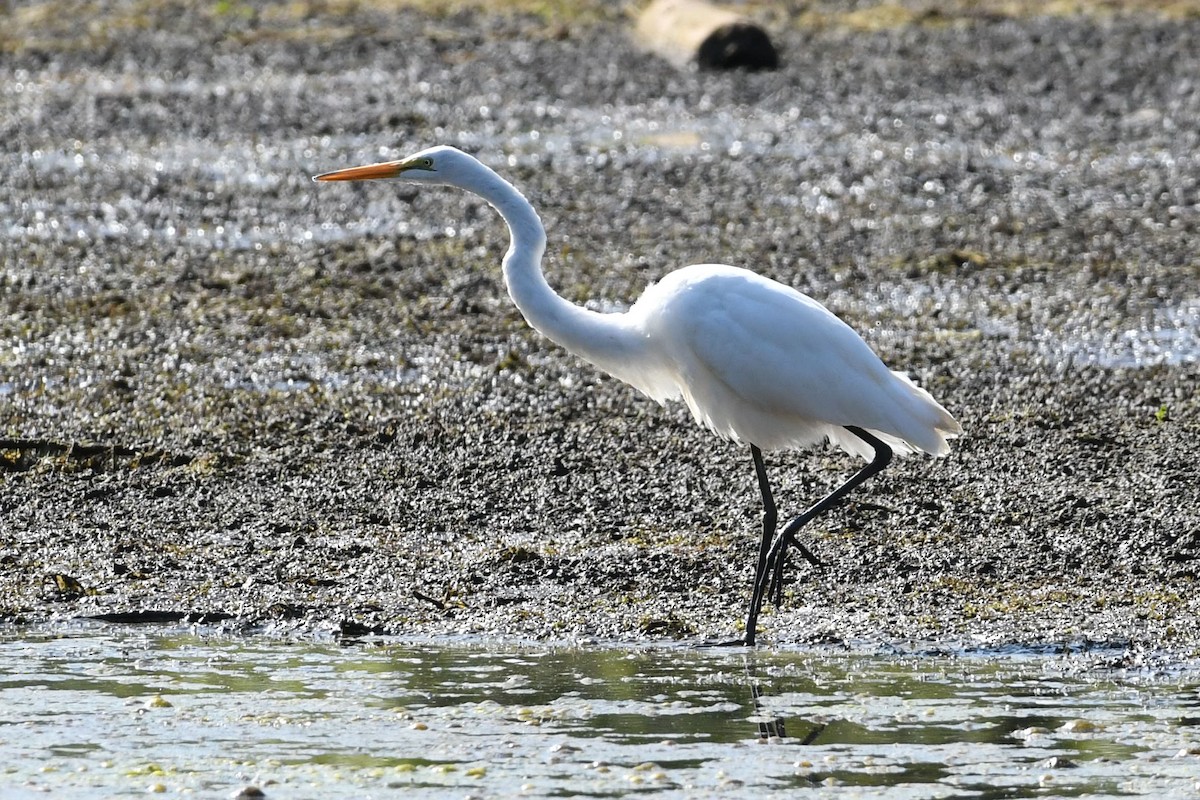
[{"x": 602, "y": 339}]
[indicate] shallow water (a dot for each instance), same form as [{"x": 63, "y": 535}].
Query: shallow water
[{"x": 100, "y": 713}]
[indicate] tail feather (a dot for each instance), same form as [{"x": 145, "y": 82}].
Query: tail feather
[
  {"x": 930, "y": 425},
  {"x": 914, "y": 423}
]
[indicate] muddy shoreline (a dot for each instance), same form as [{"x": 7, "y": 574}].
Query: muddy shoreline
[{"x": 227, "y": 391}]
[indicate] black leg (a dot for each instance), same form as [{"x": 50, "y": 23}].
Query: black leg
[
  {"x": 769, "y": 579},
  {"x": 770, "y": 520},
  {"x": 770, "y": 514}
]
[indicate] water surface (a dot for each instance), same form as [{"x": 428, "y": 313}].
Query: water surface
[{"x": 101, "y": 712}]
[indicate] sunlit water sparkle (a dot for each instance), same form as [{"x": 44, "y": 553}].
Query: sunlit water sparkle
[{"x": 100, "y": 712}]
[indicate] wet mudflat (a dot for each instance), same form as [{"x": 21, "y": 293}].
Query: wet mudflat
[
  {"x": 97, "y": 713},
  {"x": 227, "y": 391}
]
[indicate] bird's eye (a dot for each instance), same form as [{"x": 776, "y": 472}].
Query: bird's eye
[{"x": 427, "y": 163}]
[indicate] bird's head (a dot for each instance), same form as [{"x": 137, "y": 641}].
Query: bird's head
[{"x": 436, "y": 165}]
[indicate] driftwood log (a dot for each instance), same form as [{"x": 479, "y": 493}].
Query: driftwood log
[{"x": 692, "y": 31}]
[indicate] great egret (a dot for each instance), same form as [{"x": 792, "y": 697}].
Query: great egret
[{"x": 755, "y": 361}]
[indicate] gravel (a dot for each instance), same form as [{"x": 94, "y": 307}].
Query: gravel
[{"x": 228, "y": 393}]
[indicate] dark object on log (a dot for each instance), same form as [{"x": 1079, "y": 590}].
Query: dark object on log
[{"x": 685, "y": 31}]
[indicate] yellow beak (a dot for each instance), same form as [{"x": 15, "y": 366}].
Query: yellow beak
[{"x": 386, "y": 169}]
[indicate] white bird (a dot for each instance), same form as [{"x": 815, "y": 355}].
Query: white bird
[{"x": 756, "y": 361}]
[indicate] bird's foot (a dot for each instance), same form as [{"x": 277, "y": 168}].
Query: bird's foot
[
  {"x": 776, "y": 570},
  {"x": 808, "y": 556}
]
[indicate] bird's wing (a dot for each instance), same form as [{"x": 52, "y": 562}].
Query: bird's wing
[
  {"x": 784, "y": 351},
  {"x": 753, "y": 352}
]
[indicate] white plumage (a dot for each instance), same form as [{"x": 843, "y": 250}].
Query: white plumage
[{"x": 760, "y": 363}]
